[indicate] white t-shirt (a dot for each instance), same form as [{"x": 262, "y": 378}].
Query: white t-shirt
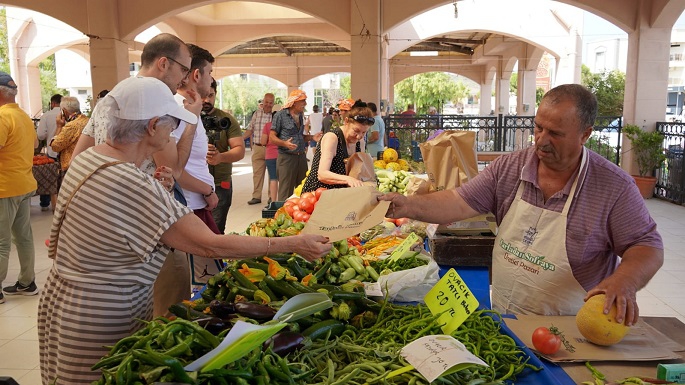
[
  {"x": 47, "y": 127},
  {"x": 197, "y": 162},
  {"x": 315, "y": 122}
]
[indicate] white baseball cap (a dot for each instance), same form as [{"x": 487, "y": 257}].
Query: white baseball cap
[{"x": 140, "y": 98}]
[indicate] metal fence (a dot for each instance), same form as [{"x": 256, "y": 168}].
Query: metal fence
[
  {"x": 670, "y": 183},
  {"x": 502, "y": 133}
]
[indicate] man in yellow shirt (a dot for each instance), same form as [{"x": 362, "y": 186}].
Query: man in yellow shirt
[{"x": 17, "y": 186}]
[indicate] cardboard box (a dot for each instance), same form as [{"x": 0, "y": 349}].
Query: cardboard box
[
  {"x": 462, "y": 250},
  {"x": 671, "y": 372}
]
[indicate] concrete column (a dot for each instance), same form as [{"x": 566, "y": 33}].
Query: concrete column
[
  {"x": 502, "y": 92},
  {"x": 485, "y": 98},
  {"x": 387, "y": 88},
  {"x": 525, "y": 96},
  {"x": 365, "y": 25},
  {"x": 25, "y": 73},
  {"x": 646, "y": 80},
  {"x": 108, "y": 53}
]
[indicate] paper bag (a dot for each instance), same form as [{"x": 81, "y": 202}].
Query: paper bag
[
  {"x": 450, "y": 159},
  {"x": 360, "y": 166},
  {"x": 343, "y": 212},
  {"x": 417, "y": 186}
]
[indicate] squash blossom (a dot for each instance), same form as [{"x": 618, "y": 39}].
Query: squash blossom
[{"x": 254, "y": 275}]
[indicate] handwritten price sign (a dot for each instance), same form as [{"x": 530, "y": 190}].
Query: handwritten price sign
[
  {"x": 451, "y": 297},
  {"x": 433, "y": 356}
]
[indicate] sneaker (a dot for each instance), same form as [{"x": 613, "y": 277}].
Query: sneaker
[
  {"x": 20, "y": 289},
  {"x": 254, "y": 201},
  {"x": 2, "y": 298},
  {"x": 46, "y": 208}
]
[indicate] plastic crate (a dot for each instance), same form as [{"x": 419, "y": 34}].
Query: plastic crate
[{"x": 271, "y": 209}]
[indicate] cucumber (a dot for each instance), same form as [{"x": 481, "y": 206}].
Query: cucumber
[{"x": 324, "y": 328}]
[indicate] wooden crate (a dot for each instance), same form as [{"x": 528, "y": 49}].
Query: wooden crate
[{"x": 462, "y": 250}]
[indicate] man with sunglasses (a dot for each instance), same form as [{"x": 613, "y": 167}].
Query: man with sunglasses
[{"x": 328, "y": 167}]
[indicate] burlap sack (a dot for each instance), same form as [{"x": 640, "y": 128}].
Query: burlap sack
[
  {"x": 450, "y": 159},
  {"x": 360, "y": 166}
]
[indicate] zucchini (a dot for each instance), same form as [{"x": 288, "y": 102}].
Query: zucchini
[
  {"x": 346, "y": 295},
  {"x": 251, "y": 263},
  {"x": 329, "y": 328},
  {"x": 241, "y": 280},
  {"x": 280, "y": 288},
  {"x": 182, "y": 311},
  {"x": 324, "y": 268},
  {"x": 265, "y": 288},
  {"x": 296, "y": 269},
  {"x": 301, "y": 288}
]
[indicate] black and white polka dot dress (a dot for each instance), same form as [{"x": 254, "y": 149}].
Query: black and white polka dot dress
[{"x": 337, "y": 164}]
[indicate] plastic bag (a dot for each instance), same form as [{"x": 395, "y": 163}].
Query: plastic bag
[{"x": 413, "y": 284}]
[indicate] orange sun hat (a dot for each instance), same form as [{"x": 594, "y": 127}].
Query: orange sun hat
[
  {"x": 345, "y": 104},
  {"x": 294, "y": 96}
]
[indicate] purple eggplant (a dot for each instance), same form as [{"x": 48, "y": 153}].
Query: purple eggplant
[
  {"x": 284, "y": 342},
  {"x": 221, "y": 309},
  {"x": 255, "y": 311}
]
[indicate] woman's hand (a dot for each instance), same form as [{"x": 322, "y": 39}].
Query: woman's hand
[
  {"x": 354, "y": 182},
  {"x": 311, "y": 246},
  {"x": 164, "y": 175}
]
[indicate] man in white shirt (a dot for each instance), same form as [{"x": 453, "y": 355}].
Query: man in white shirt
[
  {"x": 46, "y": 131},
  {"x": 313, "y": 125}
]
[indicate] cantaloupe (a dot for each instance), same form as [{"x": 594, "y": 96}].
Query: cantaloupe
[
  {"x": 390, "y": 155},
  {"x": 597, "y": 327}
]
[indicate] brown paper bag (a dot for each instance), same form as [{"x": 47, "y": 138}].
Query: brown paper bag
[
  {"x": 360, "y": 166},
  {"x": 343, "y": 212},
  {"x": 417, "y": 186},
  {"x": 450, "y": 159}
]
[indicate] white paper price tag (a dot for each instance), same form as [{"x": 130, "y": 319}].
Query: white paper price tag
[
  {"x": 373, "y": 289},
  {"x": 433, "y": 356}
]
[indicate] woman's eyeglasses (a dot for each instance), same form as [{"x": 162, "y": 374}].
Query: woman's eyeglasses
[{"x": 363, "y": 119}]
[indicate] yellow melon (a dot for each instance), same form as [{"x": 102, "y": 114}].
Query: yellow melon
[
  {"x": 390, "y": 155},
  {"x": 597, "y": 327}
]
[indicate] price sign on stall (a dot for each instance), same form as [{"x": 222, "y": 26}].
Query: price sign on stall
[
  {"x": 451, "y": 297},
  {"x": 434, "y": 356},
  {"x": 404, "y": 246}
]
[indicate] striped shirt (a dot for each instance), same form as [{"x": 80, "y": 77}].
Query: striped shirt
[
  {"x": 607, "y": 216},
  {"x": 107, "y": 257}
]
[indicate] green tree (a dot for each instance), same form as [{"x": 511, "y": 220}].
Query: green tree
[
  {"x": 241, "y": 95},
  {"x": 4, "y": 53},
  {"x": 513, "y": 83},
  {"x": 539, "y": 93},
  {"x": 429, "y": 89},
  {"x": 608, "y": 87},
  {"x": 48, "y": 81},
  {"x": 345, "y": 88}
]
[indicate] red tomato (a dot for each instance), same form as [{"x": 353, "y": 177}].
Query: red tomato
[
  {"x": 297, "y": 215},
  {"x": 304, "y": 217},
  {"x": 306, "y": 205},
  {"x": 401, "y": 221},
  {"x": 289, "y": 207},
  {"x": 545, "y": 341},
  {"x": 296, "y": 201},
  {"x": 318, "y": 192},
  {"x": 307, "y": 195}
]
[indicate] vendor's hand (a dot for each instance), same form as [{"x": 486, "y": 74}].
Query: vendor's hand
[
  {"x": 212, "y": 201},
  {"x": 212, "y": 155},
  {"x": 312, "y": 247},
  {"x": 618, "y": 290},
  {"x": 352, "y": 182},
  {"x": 193, "y": 102},
  {"x": 164, "y": 175},
  {"x": 399, "y": 205},
  {"x": 290, "y": 145}
]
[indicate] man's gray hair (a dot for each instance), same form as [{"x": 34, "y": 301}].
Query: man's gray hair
[
  {"x": 585, "y": 101},
  {"x": 7, "y": 91},
  {"x": 70, "y": 103}
]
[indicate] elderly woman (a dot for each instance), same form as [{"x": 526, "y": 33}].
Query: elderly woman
[
  {"x": 70, "y": 123},
  {"x": 328, "y": 166},
  {"x": 113, "y": 226}
]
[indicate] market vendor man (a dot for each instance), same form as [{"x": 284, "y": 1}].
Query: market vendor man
[{"x": 571, "y": 223}]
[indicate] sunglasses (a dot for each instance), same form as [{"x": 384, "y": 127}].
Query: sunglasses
[
  {"x": 363, "y": 119},
  {"x": 184, "y": 69}
]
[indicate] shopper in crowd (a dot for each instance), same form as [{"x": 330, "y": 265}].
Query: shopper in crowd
[
  {"x": 314, "y": 123},
  {"x": 254, "y": 132},
  {"x": 408, "y": 116},
  {"x": 109, "y": 269},
  {"x": 271, "y": 157},
  {"x": 70, "y": 123},
  {"x": 46, "y": 131},
  {"x": 287, "y": 132},
  {"x": 17, "y": 185},
  {"x": 327, "y": 121},
  {"x": 564, "y": 235},
  {"x": 226, "y": 146},
  {"x": 167, "y": 58},
  {"x": 328, "y": 166},
  {"x": 375, "y": 137}
]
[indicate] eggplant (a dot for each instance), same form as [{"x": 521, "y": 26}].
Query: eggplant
[
  {"x": 214, "y": 325},
  {"x": 221, "y": 309},
  {"x": 284, "y": 342},
  {"x": 255, "y": 311}
]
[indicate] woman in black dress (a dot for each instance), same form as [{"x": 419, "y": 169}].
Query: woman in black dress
[{"x": 328, "y": 166}]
